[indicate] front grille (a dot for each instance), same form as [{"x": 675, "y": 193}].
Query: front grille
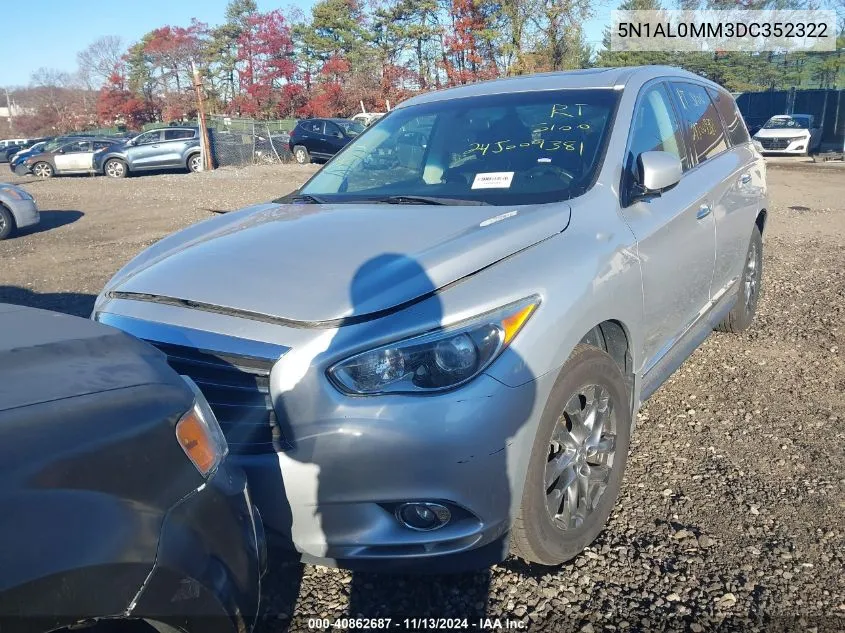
[
  {"x": 775, "y": 143},
  {"x": 238, "y": 389}
]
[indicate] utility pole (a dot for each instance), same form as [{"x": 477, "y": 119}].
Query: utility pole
[
  {"x": 11, "y": 115},
  {"x": 205, "y": 145}
]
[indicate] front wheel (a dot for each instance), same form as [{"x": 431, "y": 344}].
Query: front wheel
[
  {"x": 742, "y": 314},
  {"x": 577, "y": 462},
  {"x": 301, "y": 155},
  {"x": 115, "y": 168},
  {"x": 7, "y": 222},
  {"x": 195, "y": 163},
  {"x": 43, "y": 170}
]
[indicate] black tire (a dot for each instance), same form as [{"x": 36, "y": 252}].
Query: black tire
[
  {"x": 536, "y": 536},
  {"x": 301, "y": 155},
  {"x": 7, "y": 223},
  {"x": 742, "y": 314},
  {"x": 115, "y": 168},
  {"x": 43, "y": 170},
  {"x": 195, "y": 162}
]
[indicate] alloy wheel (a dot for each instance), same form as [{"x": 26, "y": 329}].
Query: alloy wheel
[
  {"x": 581, "y": 457},
  {"x": 43, "y": 170},
  {"x": 750, "y": 277},
  {"x": 196, "y": 163},
  {"x": 115, "y": 169},
  {"x": 300, "y": 156}
]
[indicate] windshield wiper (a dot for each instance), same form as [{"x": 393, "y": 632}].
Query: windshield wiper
[
  {"x": 430, "y": 200},
  {"x": 306, "y": 198}
]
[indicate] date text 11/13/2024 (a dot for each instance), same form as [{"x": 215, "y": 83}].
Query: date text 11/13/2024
[{"x": 417, "y": 624}]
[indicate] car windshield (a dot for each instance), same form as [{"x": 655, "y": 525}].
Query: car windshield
[
  {"x": 352, "y": 128},
  {"x": 797, "y": 122},
  {"x": 503, "y": 149}
]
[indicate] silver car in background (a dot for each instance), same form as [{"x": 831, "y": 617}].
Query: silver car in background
[
  {"x": 17, "y": 210},
  {"x": 433, "y": 352}
]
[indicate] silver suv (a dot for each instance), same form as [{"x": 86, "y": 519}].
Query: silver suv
[
  {"x": 434, "y": 351},
  {"x": 168, "y": 148}
]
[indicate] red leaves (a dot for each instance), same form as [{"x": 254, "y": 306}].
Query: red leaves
[
  {"x": 265, "y": 57},
  {"x": 464, "y": 62}
]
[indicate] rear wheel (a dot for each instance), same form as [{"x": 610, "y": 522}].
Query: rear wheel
[
  {"x": 577, "y": 461},
  {"x": 43, "y": 170},
  {"x": 742, "y": 314},
  {"x": 115, "y": 168},
  {"x": 301, "y": 155},
  {"x": 195, "y": 162},
  {"x": 7, "y": 222}
]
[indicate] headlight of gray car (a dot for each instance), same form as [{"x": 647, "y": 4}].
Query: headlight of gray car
[
  {"x": 15, "y": 192},
  {"x": 437, "y": 360}
]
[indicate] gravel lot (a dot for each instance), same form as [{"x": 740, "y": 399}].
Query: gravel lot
[{"x": 732, "y": 514}]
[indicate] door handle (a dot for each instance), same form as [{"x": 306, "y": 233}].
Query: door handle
[
  {"x": 153, "y": 145},
  {"x": 745, "y": 179},
  {"x": 703, "y": 212}
]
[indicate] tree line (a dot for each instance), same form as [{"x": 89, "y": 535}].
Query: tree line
[{"x": 288, "y": 64}]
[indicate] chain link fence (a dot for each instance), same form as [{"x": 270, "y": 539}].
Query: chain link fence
[{"x": 239, "y": 142}]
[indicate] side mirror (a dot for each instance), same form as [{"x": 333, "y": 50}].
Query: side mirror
[
  {"x": 60, "y": 151},
  {"x": 132, "y": 142},
  {"x": 658, "y": 171}
]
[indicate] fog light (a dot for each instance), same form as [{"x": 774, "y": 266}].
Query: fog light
[{"x": 423, "y": 516}]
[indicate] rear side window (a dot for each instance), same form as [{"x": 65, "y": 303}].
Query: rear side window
[
  {"x": 705, "y": 128},
  {"x": 78, "y": 146},
  {"x": 735, "y": 126},
  {"x": 101, "y": 144},
  {"x": 175, "y": 135}
]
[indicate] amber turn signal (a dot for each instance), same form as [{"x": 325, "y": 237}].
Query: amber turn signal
[{"x": 195, "y": 439}]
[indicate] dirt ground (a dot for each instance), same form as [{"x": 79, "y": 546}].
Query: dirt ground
[{"x": 732, "y": 514}]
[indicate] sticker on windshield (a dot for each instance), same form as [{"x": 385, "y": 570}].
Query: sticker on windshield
[{"x": 493, "y": 180}]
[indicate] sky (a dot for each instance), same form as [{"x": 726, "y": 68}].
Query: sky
[{"x": 51, "y": 36}]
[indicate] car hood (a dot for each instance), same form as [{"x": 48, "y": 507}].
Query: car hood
[
  {"x": 322, "y": 263},
  {"x": 782, "y": 132},
  {"x": 47, "y": 356}
]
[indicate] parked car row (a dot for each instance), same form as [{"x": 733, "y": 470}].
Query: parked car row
[{"x": 166, "y": 148}]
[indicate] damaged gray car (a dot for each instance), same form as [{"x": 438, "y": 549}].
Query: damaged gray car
[{"x": 433, "y": 352}]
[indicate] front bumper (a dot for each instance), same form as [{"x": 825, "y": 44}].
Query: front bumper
[
  {"x": 97, "y": 163},
  {"x": 784, "y": 146},
  {"x": 212, "y": 554},
  {"x": 330, "y": 490},
  {"x": 25, "y": 212}
]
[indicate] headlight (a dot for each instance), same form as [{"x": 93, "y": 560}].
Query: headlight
[
  {"x": 435, "y": 361},
  {"x": 17, "y": 194},
  {"x": 200, "y": 435}
]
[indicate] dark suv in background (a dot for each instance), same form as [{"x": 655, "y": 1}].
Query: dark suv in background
[
  {"x": 165, "y": 148},
  {"x": 321, "y": 138}
]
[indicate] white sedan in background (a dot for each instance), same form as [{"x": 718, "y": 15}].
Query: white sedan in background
[
  {"x": 76, "y": 156},
  {"x": 788, "y": 134}
]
